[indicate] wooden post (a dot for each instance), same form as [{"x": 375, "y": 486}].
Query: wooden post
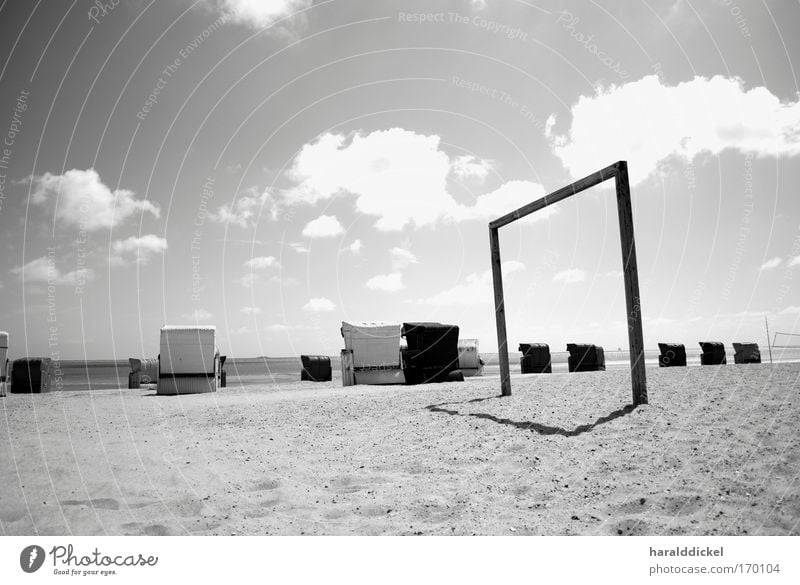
[
  {"x": 632, "y": 299},
  {"x": 500, "y": 313},
  {"x": 769, "y": 345}
]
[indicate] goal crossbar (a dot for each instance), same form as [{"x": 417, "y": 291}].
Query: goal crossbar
[{"x": 619, "y": 172}]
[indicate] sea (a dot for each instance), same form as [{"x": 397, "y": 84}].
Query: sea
[{"x": 71, "y": 375}]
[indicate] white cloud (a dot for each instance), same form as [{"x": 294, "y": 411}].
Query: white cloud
[
  {"x": 645, "y": 122},
  {"x": 262, "y": 262},
  {"x": 548, "y": 126},
  {"x": 248, "y": 280},
  {"x": 251, "y": 310},
  {"x": 508, "y": 197},
  {"x": 791, "y": 310},
  {"x": 44, "y": 270},
  {"x": 82, "y": 200},
  {"x": 319, "y": 305},
  {"x": 138, "y": 249},
  {"x": 277, "y": 328},
  {"x": 247, "y": 208},
  {"x": 464, "y": 167},
  {"x": 396, "y": 175},
  {"x": 299, "y": 248},
  {"x": 260, "y": 13},
  {"x": 570, "y": 276},
  {"x": 355, "y": 247},
  {"x": 239, "y": 330},
  {"x": 793, "y": 262},
  {"x": 325, "y": 226},
  {"x": 197, "y": 315},
  {"x": 477, "y": 288},
  {"x": 771, "y": 263},
  {"x": 402, "y": 258},
  {"x": 386, "y": 282},
  {"x": 285, "y": 281}
]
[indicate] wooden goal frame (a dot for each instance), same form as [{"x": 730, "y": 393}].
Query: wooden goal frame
[{"x": 619, "y": 172}]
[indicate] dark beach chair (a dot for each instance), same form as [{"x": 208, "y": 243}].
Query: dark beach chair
[
  {"x": 585, "y": 357},
  {"x": 535, "y": 358},
  {"x": 671, "y": 355},
  {"x": 432, "y": 354},
  {"x": 713, "y": 353}
]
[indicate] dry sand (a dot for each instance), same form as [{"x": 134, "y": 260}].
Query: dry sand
[{"x": 716, "y": 452}]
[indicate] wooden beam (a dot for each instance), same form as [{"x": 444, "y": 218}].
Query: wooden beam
[
  {"x": 556, "y": 196},
  {"x": 631, "y": 275},
  {"x": 500, "y": 312}
]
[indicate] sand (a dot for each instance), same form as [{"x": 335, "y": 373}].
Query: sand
[{"x": 716, "y": 452}]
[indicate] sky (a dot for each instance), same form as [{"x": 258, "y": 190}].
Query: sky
[{"x": 276, "y": 167}]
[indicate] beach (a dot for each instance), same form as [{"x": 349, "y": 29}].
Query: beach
[{"x": 715, "y": 452}]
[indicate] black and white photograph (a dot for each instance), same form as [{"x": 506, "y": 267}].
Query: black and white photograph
[{"x": 455, "y": 268}]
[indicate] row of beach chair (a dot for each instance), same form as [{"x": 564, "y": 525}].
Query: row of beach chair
[{"x": 713, "y": 353}]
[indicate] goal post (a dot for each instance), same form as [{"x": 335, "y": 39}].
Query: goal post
[
  {"x": 619, "y": 172},
  {"x": 782, "y": 340}
]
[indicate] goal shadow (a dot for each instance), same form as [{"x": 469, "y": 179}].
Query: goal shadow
[
  {"x": 619, "y": 172},
  {"x": 533, "y": 426}
]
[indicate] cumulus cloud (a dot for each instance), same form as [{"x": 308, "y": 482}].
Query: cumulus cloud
[
  {"x": 44, "y": 270},
  {"x": 247, "y": 208},
  {"x": 355, "y": 247},
  {"x": 386, "y": 282},
  {"x": 771, "y": 263},
  {"x": 298, "y": 247},
  {"x": 508, "y": 197},
  {"x": 262, "y": 263},
  {"x": 197, "y": 315},
  {"x": 285, "y": 281},
  {"x": 467, "y": 166},
  {"x": 248, "y": 280},
  {"x": 794, "y": 262},
  {"x": 319, "y": 305},
  {"x": 476, "y": 290},
  {"x": 251, "y": 310},
  {"x": 82, "y": 200},
  {"x": 260, "y": 13},
  {"x": 325, "y": 226},
  {"x": 137, "y": 249},
  {"x": 396, "y": 175},
  {"x": 570, "y": 276},
  {"x": 645, "y": 122},
  {"x": 401, "y": 258}
]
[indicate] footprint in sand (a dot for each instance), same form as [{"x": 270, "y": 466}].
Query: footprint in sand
[
  {"x": 137, "y": 529},
  {"x": 682, "y": 505},
  {"x": 630, "y": 527},
  {"x": 100, "y": 503},
  {"x": 268, "y": 484}
]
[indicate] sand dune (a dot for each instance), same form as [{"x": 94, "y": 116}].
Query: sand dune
[{"x": 716, "y": 452}]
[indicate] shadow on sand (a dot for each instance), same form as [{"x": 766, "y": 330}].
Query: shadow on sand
[{"x": 531, "y": 425}]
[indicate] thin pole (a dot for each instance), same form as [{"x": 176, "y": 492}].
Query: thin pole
[
  {"x": 500, "y": 313},
  {"x": 769, "y": 347}
]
